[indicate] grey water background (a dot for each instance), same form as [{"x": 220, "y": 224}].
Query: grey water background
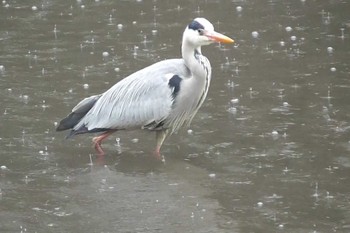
[{"x": 267, "y": 152}]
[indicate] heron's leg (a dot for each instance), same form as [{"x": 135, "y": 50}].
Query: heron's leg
[
  {"x": 98, "y": 140},
  {"x": 160, "y": 136}
]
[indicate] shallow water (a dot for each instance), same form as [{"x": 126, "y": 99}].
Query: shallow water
[{"x": 267, "y": 152}]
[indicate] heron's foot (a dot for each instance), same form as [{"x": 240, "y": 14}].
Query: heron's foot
[
  {"x": 97, "y": 145},
  {"x": 158, "y": 156},
  {"x": 98, "y": 140}
]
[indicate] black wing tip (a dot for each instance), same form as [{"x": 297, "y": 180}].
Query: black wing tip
[
  {"x": 60, "y": 127},
  {"x": 69, "y": 121},
  {"x": 83, "y": 129},
  {"x": 64, "y": 125}
]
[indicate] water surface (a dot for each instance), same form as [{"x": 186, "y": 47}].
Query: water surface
[{"x": 267, "y": 152}]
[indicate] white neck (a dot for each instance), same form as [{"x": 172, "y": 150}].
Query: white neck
[
  {"x": 188, "y": 54},
  {"x": 200, "y": 68}
]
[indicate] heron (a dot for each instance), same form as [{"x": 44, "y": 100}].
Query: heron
[{"x": 162, "y": 97}]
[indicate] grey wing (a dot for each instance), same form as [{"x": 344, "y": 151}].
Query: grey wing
[{"x": 145, "y": 98}]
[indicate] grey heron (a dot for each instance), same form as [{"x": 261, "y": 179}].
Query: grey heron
[{"x": 161, "y": 97}]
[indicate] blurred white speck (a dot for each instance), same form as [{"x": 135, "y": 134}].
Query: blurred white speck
[
  {"x": 234, "y": 101},
  {"x": 120, "y": 26},
  {"x": 330, "y": 49},
  {"x": 190, "y": 131},
  {"x": 232, "y": 110},
  {"x": 239, "y": 8},
  {"x": 135, "y": 140},
  {"x": 289, "y": 29},
  {"x": 333, "y": 69},
  {"x": 55, "y": 123},
  {"x": 173, "y": 184},
  {"x": 212, "y": 175},
  {"x": 86, "y": 86},
  {"x": 117, "y": 69},
  {"x": 255, "y": 34},
  {"x": 285, "y": 104},
  {"x": 280, "y": 226},
  {"x": 105, "y": 54},
  {"x": 329, "y": 196},
  {"x": 282, "y": 43},
  {"x": 260, "y": 204},
  {"x": 2, "y": 67},
  {"x": 82, "y": 6},
  {"x": 134, "y": 22},
  {"x": 293, "y": 38},
  {"x": 3, "y": 167},
  {"x": 25, "y": 97},
  {"x": 34, "y": 8},
  {"x": 274, "y": 132},
  {"x": 154, "y": 32}
]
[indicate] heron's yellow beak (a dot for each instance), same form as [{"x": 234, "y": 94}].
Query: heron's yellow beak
[{"x": 218, "y": 37}]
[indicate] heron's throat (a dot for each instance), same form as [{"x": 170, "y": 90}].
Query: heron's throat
[{"x": 194, "y": 60}]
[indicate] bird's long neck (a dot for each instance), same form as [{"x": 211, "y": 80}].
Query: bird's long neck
[
  {"x": 197, "y": 63},
  {"x": 200, "y": 68}
]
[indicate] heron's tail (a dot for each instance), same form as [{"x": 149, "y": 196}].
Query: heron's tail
[{"x": 77, "y": 114}]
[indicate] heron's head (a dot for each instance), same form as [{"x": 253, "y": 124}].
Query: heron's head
[{"x": 201, "y": 32}]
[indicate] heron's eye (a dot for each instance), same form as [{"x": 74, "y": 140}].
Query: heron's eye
[{"x": 201, "y": 32}]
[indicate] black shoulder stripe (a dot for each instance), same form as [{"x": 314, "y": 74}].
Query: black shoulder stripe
[{"x": 174, "y": 83}]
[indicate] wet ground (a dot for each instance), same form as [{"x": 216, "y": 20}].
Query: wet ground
[{"x": 267, "y": 152}]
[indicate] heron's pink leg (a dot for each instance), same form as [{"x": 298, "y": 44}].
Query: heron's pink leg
[
  {"x": 98, "y": 140},
  {"x": 160, "y": 136}
]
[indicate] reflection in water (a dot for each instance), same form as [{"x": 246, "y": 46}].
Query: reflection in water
[{"x": 268, "y": 152}]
